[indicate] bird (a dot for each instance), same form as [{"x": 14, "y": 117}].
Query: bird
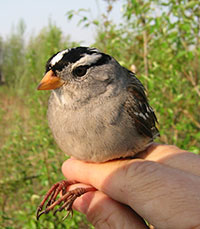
[{"x": 97, "y": 111}]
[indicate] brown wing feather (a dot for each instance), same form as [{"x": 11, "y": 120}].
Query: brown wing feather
[{"x": 139, "y": 109}]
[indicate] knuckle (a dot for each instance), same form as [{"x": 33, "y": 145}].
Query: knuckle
[
  {"x": 140, "y": 177},
  {"x": 103, "y": 224},
  {"x": 139, "y": 168},
  {"x": 99, "y": 220}
]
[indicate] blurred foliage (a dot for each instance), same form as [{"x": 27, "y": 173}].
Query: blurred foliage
[{"x": 159, "y": 39}]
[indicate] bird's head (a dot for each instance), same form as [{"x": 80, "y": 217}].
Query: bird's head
[{"x": 80, "y": 65}]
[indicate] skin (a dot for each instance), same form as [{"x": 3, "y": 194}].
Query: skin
[{"x": 162, "y": 185}]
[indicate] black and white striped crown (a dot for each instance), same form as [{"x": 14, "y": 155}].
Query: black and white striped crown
[{"x": 79, "y": 56}]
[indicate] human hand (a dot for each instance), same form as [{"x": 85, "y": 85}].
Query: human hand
[{"x": 162, "y": 186}]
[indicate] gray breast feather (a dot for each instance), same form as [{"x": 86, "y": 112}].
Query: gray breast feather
[{"x": 95, "y": 132}]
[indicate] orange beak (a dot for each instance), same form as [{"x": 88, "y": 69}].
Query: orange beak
[{"x": 50, "y": 81}]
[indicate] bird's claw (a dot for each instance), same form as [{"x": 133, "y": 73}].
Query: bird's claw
[{"x": 67, "y": 198}]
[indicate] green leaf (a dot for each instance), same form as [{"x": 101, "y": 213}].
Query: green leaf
[{"x": 191, "y": 4}]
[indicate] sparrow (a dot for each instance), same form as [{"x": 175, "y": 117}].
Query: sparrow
[{"x": 98, "y": 111}]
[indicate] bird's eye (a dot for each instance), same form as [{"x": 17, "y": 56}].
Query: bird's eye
[{"x": 80, "y": 71}]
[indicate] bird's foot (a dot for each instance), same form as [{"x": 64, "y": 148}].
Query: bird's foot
[{"x": 67, "y": 199}]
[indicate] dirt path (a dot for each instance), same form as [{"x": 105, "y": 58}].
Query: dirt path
[{"x": 12, "y": 108}]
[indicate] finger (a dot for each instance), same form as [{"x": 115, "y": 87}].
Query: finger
[
  {"x": 103, "y": 212},
  {"x": 94, "y": 173},
  {"x": 173, "y": 156},
  {"x": 145, "y": 186},
  {"x": 156, "y": 151}
]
